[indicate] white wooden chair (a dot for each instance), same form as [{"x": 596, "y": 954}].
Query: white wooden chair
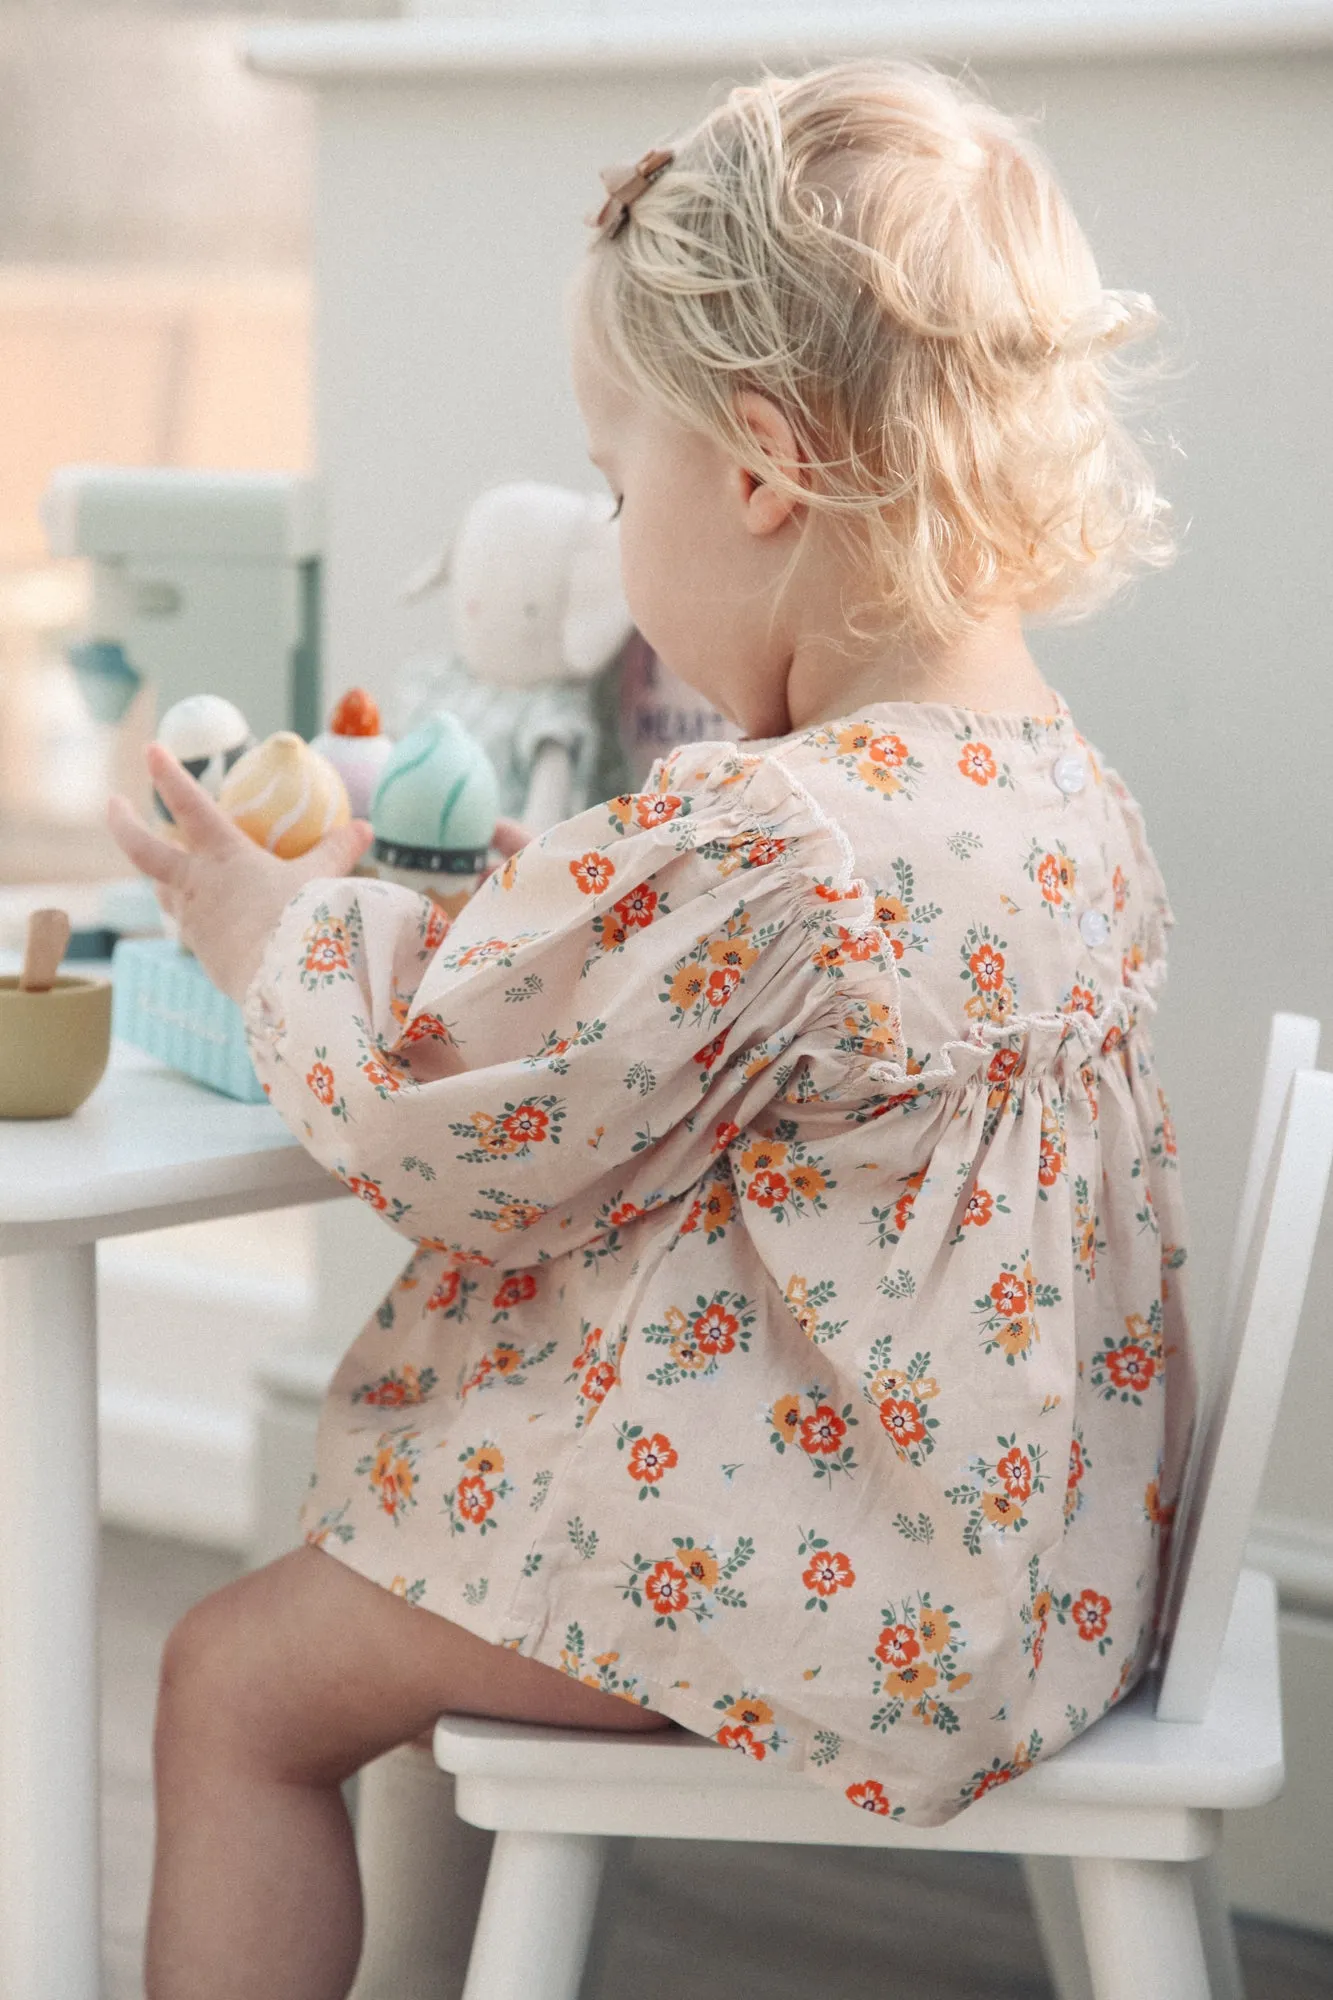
[{"x": 1118, "y": 1831}]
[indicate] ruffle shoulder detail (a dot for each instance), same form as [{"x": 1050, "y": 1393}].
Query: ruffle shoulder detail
[{"x": 852, "y": 1021}]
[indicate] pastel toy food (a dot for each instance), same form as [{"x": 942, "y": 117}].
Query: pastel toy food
[
  {"x": 355, "y": 747},
  {"x": 209, "y": 735},
  {"x": 434, "y": 812},
  {"x": 285, "y": 795}
]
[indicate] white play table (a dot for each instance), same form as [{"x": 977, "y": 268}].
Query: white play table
[{"x": 148, "y": 1149}]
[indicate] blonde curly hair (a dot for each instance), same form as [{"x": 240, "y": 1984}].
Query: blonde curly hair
[{"x": 890, "y": 259}]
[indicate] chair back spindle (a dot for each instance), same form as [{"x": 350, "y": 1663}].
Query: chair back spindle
[
  {"x": 1269, "y": 1280},
  {"x": 1293, "y": 1043}
]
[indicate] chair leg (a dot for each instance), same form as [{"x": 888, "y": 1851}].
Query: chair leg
[
  {"x": 1051, "y": 1892},
  {"x": 1141, "y": 1929},
  {"x": 1219, "y": 1938},
  {"x": 536, "y": 1916},
  {"x": 423, "y": 1873}
]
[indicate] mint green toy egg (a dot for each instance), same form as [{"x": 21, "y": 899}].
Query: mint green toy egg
[{"x": 437, "y": 800}]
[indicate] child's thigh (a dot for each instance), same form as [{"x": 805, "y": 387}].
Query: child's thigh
[{"x": 310, "y": 1670}]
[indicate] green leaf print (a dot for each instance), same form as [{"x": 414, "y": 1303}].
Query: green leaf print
[
  {"x": 827, "y": 1745},
  {"x": 552, "y": 1053},
  {"x": 584, "y": 1540}
]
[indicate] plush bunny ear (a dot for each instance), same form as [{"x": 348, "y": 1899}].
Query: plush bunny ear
[
  {"x": 597, "y": 621},
  {"x": 428, "y": 577}
]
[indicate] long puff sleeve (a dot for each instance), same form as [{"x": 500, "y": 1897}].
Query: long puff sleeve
[{"x": 597, "y": 1022}]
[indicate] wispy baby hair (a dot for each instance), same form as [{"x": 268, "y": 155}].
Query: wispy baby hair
[{"x": 890, "y": 259}]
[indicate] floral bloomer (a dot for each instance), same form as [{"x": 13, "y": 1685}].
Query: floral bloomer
[{"x": 793, "y": 1338}]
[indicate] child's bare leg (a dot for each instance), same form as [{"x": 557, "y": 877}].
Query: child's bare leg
[{"x": 274, "y": 1690}]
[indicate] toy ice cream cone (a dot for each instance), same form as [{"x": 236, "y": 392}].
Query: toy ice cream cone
[
  {"x": 434, "y": 812},
  {"x": 355, "y": 747},
  {"x": 285, "y": 796}
]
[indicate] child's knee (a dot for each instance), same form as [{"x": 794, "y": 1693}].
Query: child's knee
[{"x": 219, "y": 1677}]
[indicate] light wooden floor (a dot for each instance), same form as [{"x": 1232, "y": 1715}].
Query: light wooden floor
[{"x": 678, "y": 1921}]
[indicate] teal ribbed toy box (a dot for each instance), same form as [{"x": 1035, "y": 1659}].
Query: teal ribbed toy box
[{"x": 163, "y": 1002}]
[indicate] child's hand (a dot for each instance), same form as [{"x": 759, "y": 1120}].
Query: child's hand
[
  {"x": 509, "y": 836},
  {"x": 225, "y": 893}
]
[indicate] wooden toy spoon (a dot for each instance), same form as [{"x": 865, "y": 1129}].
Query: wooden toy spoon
[{"x": 48, "y": 934}]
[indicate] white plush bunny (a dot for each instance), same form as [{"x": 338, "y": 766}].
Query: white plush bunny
[{"x": 538, "y": 622}]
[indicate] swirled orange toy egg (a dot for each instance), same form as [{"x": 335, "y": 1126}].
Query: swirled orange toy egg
[{"x": 284, "y": 795}]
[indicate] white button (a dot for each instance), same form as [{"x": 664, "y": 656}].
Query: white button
[
  {"x": 1070, "y": 772},
  {"x": 1094, "y": 927}
]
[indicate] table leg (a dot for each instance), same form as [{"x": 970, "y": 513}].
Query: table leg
[{"x": 50, "y": 1929}]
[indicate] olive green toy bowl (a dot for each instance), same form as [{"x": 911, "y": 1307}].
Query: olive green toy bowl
[{"x": 53, "y": 1046}]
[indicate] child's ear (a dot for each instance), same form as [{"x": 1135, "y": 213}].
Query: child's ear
[{"x": 766, "y": 508}]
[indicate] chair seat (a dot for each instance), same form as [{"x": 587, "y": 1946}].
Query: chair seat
[{"x": 1095, "y": 1797}]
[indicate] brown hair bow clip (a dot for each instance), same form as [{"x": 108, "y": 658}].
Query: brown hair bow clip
[{"x": 624, "y": 185}]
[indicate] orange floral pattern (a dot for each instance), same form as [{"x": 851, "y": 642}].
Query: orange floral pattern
[
  {"x": 997, "y": 1492},
  {"x": 793, "y": 1337}
]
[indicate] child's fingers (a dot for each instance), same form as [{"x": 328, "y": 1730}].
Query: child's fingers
[
  {"x": 510, "y": 835},
  {"x": 207, "y": 829},
  {"x": 149, "y": 853}
]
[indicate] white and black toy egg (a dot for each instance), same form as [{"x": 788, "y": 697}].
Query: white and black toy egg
[{"x": 208, "y": 734}]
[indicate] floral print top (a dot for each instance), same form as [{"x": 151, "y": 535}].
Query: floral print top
[{"x": 793, "y": 1336}]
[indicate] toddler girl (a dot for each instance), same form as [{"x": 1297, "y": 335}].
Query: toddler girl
[{"x": 792, "y": 1344}]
